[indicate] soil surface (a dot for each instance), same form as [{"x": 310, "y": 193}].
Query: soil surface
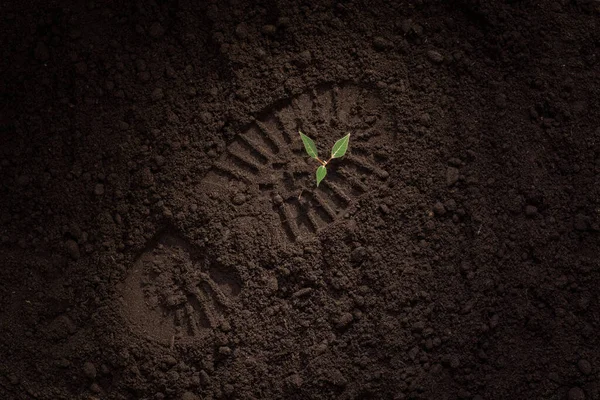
[{"x": 161, "y": 235}]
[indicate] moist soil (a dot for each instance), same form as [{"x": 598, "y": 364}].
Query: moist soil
[{"x": 162, "y": 237}]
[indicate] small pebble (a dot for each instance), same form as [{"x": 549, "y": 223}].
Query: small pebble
[
  {"x": 277, "y": 199},
  {"x": 239, "y": 199}
]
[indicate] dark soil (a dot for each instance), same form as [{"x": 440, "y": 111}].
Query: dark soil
[{"x": 161, "y": 236}]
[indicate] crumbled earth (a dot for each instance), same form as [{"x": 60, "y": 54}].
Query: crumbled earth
[{"x": 161, "y": 236}]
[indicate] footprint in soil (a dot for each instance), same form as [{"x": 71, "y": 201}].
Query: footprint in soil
[
  {"x": 173, "y": 292},
  {"x": 265, "y": 167}
]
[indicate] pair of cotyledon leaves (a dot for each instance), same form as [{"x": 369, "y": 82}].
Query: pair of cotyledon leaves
[{"x": 337, "y": 151}]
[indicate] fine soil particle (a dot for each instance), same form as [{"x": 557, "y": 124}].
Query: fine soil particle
[{"x": 162, "y": 236}]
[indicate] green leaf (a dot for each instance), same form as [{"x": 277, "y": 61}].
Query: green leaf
[
  {"x": 321, "y": 172},
  {"x": 309, "y": 145},
  {"x": 340, "y": 147}
]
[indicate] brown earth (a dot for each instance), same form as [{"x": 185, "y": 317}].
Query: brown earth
[{"x": 161, "y": 236}]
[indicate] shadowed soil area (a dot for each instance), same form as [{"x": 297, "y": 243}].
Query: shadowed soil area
[{"x": 162, "y": 237}]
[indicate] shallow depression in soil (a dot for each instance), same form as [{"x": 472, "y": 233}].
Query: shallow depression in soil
[{"x": 267, "y": 163}]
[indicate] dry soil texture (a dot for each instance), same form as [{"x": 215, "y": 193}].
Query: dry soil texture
[{"x": 161, "y": 235}]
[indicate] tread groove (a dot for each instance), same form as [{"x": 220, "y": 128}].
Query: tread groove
[
  {"x": 255, "y": 147},
  {"x": 255, "y": 168}
]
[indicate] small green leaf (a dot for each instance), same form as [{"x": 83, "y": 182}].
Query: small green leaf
[
  {"x": 309, "y": 145},
  {"x": 321, "y": 172},
  {"x": 340, "y": 147}
]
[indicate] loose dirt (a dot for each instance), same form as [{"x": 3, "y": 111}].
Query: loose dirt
[{"x": 161, "y": 236}]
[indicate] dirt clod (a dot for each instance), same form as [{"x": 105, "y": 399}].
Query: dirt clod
[
  {"x": 89, "y": 369},
  {"x": 72, "y": 249},
  {"x": 239, "y": 199},
  {"x": 359, "y": 254},
  {"x": 435, "y": 56},
  {"x": 584, "y": 367},
  {"x": 531, "y": 211},
  {"x": 157, "y": 94},
  {"x": 160, "y": 222},
  {"x": 452, "y": 176},
  {"x": 269, "y": 30},
  {"x": 99, "y": 189},
  {"x": 439, "y": 209},
  {"x": 189, "y": 396},
  {"x": 576, "y": 394},
  {"x": 381, "y": 43}
]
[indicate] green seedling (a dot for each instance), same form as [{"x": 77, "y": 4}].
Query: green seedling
[{"x": 338, "y": 150}]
